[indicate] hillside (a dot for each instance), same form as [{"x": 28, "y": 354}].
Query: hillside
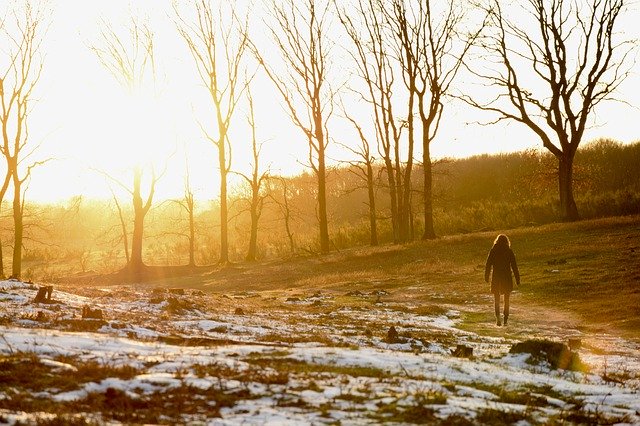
[
  {"x": 389, "y": 334},
  {"x": 589, "y": 270}
]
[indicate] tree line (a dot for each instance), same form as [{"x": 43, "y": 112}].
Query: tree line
[
  {"x": 480, "y": 193},
  {"x": 545, "y": 65}
]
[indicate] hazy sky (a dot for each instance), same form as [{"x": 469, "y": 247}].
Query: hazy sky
[{"x": 88, "y": 122}]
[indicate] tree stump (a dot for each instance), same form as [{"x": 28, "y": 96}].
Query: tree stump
[
  {"x": 393, "y": 336},
  {"x": 44, "y": 294}
]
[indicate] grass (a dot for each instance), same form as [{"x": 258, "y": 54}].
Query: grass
[
  {"x": 588, "y": 270},
  {"x": 490, "y": 416},
  {"x": 23, "y": 376},
  {"x": 295, "y": 366},
  {"x": 27, "y": 371},
  {"x": 585, "y": 272}
]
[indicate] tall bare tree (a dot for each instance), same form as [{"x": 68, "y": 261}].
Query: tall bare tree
[
  {"x": 405, "y": 42},
  {"x": 218, "y": 48},
  {"x": 21, "y": 67},
  {"x": 129, "y": 61},
  {"x": 368, "y": 33},
  {"x": 441, "y": 36},
  {"x": 256, "y": 182},
  {"x": 552, "y": 64},
  {"x": 364, "y": 168},
  {"x": 280, "y": 192},
  {"x": 300, "y": 35},
  {"x": 188, "y": 204}
]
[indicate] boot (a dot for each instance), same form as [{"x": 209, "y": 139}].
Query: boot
[{"x": 506, "y": 317}]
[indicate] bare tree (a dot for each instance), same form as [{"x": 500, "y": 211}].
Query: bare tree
[
  {"x": 370, "y": 39},
  {"x": 127, "y": 61},
  {"x": 217, "y": 49},
  {"x": 22, "y": 66},
  {"x": 255, "y": 182},
  {"x": 284, "y": 205},
  {"x": 300, "y": 35},
  {"x": 552, "y": 71},
  {"x": 365, "y": 169},
  {"x": 123, "y": 227},
  {"x": 406, "y": 52},
  {"x": 187, "y": 203},
  {"x": 440, "y": 44}
]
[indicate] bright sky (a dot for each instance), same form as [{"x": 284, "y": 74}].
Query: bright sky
[{"x": 86, "y": 121}]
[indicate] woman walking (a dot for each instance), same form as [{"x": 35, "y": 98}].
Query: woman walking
[{"x": 502, "y": 261}]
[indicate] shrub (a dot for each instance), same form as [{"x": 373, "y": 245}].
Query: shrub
[{"x": 557, "y": 354}]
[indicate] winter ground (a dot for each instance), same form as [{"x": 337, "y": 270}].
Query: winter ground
[{"x": 188, "y": 356}]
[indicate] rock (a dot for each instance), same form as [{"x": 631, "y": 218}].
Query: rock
[{"x": 462, "y": 351}]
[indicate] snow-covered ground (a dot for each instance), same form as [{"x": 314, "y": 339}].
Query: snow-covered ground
[{"x": 284, "y": 360}]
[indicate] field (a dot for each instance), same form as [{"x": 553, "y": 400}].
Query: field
[{"x": 394, "y": 334}]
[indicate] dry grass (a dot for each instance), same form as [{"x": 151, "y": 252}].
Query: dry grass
[{"x": 590, "y": 269}]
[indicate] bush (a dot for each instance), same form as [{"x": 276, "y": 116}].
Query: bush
[{"x": 557, "y": 354}]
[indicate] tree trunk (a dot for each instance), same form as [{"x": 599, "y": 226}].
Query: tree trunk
[
  {"x": 192, "y": 235},
  {"x": 287, "y": 227},
  {"x": 287, "y": 217},
  {"x": 429, "y": 232},
  {"x": 568, "y": 208},
  {"x": 402, "y": 224},
  {"x": 322, "y": 201},
  {"x": 405, "y": 214},
  {"x": 18, "y": 228},
  {"x": 3, "y": 191},
  {"x": 2, "y": 276},
  {"x": 373, "y": 226},
  {"x": 224, "y": 214},
  {"x": 135, "y": 263},
  {"x": 253, "y": 237},
  {"x": 393, "y": 198}
]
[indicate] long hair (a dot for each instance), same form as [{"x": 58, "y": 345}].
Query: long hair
[{"x": 502, "y": 242}]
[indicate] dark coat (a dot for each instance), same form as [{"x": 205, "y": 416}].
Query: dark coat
[{"x": 502, "y": 261}]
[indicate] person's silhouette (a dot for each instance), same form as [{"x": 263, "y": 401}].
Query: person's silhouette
[{"x": 502, "y": 261}]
